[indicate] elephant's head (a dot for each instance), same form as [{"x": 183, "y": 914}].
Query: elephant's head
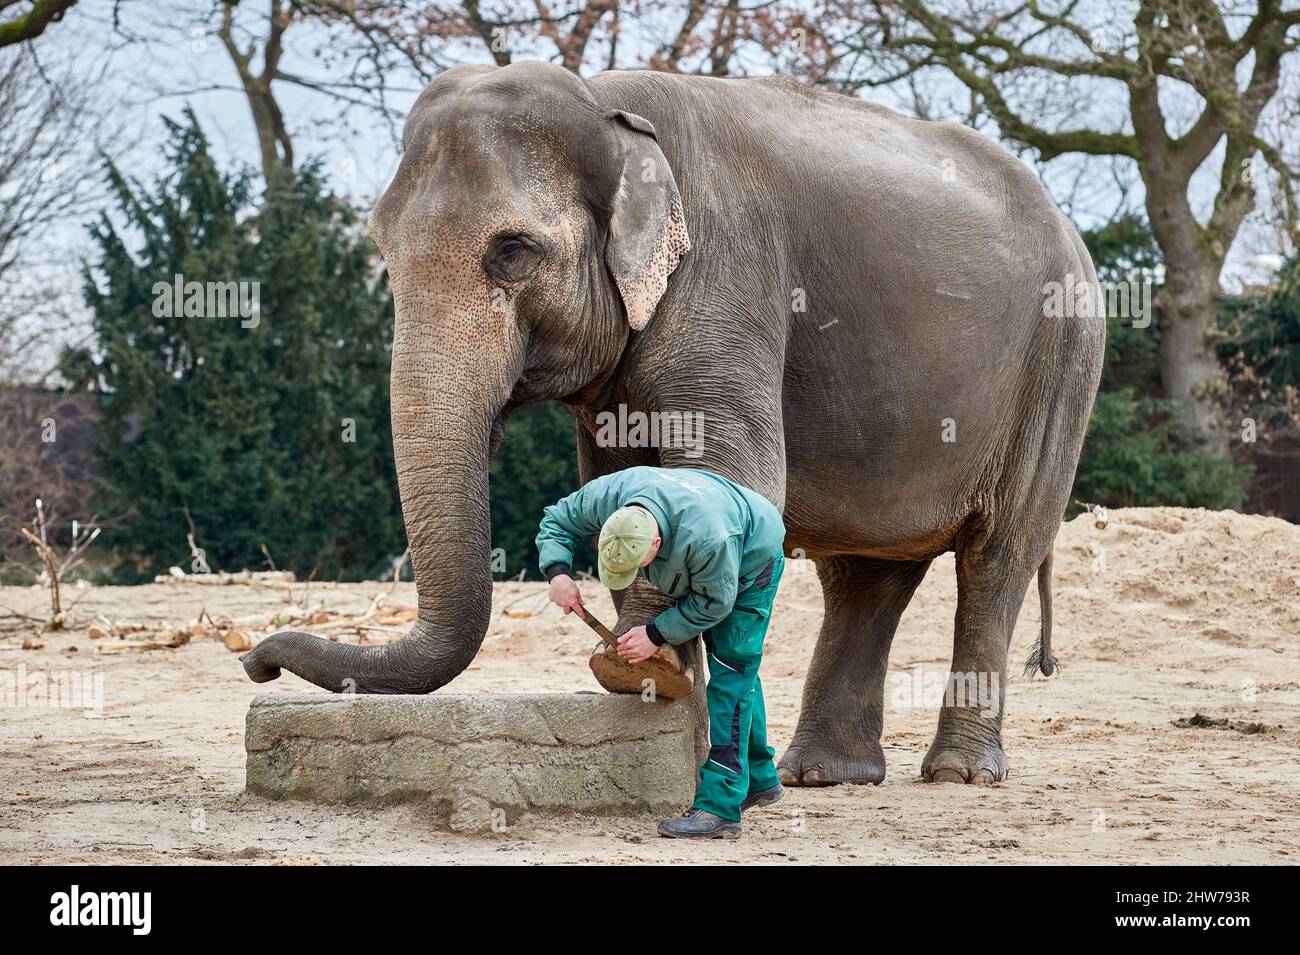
[{"x": 528, "y": 231}]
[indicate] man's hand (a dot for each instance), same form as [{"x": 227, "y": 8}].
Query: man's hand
[
  {"x": 564, "y": 593},
  {"x": 635, "y": 646}
]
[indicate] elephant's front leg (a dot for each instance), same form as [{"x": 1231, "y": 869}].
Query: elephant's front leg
[
  {"x": 967, "y": 747},
  {"x": 638, "y": 605},
  {"x": 842, "y": 715},
  {"x": 667, "y": 673}
]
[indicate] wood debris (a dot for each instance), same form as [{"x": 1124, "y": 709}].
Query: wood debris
[
  {"x": 168, "y": 639},
  {"x": 249, "y": 578},
  {"x": 381, "y": 622}
]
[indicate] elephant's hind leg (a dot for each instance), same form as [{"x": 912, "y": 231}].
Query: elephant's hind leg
[
  {"x": 991, "y": 581},
  {"x": 837, "y": 739}
]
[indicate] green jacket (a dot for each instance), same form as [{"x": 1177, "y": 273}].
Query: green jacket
[{"x": 717, "y": 538}]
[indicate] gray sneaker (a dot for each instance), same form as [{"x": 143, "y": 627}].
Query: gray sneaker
[
  {"x": 698, "y": 824},
  {"x": 764, "y": 797}
]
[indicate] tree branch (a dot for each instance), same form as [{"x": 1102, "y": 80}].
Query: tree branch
[{"x": 33, "y": 23}]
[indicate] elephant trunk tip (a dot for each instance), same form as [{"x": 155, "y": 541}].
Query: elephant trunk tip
[
  {"x": 257, "y": 669},
  {"x": 316, "y": 660},
  {"x": 405, "y": 666}
]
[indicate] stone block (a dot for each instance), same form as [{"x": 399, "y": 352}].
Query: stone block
[{"x": 479, "y": 760}]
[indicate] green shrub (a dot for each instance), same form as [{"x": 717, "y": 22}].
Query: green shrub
[{"x": 1131, "y": 458}]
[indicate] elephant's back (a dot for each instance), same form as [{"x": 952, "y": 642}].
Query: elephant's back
[
  {"x": 835, "y": 171},
  {"x": 786, "y": 125}
]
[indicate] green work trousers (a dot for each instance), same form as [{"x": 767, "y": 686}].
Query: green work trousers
[{"x": 740, "y": 761}]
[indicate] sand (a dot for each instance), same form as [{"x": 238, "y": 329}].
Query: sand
[{"x": 1164, "y": 615}]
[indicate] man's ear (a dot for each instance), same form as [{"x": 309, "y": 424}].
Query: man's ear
[{"x": 647, "y": 231}]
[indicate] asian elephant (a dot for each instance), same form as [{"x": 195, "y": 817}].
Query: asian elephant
[{"x": 853, "y": 300}]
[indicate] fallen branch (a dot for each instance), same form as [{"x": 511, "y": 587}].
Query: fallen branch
[
  {"x": 171, "y": 639},
  {"x": 22, "y": 616},
  {"x": 251, "y": 578}
]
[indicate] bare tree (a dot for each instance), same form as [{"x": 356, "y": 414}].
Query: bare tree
[
  {"x": 47, "y": 454},
  {"x": 418, "y": 38},
  {"x": 52, "y": 131},
  {"x": 367, "y": 49},
  {"x": 55, "y": 566},
  {"x": 1190, "y": 82},
  {"x": 272, "y": 137},
  {"x": 359, "y": 53}
]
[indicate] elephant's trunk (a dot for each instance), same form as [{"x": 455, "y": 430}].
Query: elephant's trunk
[{"x": 440, "y": 446}]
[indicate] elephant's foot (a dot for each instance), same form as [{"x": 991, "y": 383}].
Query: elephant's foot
[
  {"x": 665, "y": 673},
  {"x": 960, "y": 757},
  {"x": 818, "y": 762}
]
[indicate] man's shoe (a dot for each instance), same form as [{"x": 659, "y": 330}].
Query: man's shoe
[
  {"x": 764, "y": 797},
  {"x": 698, "y": 824}
]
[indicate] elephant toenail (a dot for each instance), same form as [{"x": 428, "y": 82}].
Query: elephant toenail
[{"x": 947, "y": 776}]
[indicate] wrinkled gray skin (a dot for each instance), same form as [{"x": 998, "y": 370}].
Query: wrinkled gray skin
[{"x": 523, "y": 244}]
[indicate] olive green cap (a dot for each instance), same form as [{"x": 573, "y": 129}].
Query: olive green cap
[{"x": 624, "y": 541}]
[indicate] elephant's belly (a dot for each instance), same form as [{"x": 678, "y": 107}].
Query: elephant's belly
[
  {"x": 892, "y": 478},
  {"x": 837, "y": 509}
]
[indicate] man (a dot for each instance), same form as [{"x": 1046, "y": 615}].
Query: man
[{"x": 715, "y": 547}]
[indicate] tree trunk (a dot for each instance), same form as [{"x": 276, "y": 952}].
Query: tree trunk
[
  {"x": 1187, "y": 303},
  {"x": 1189, "y": 369},
  {"x": 272, "y": 140}
]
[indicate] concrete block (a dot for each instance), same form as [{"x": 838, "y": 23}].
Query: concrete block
[{"x": 479, "y": 760}]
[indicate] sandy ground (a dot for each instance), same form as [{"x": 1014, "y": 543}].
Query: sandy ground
[{"x": 1165, "y": 614}]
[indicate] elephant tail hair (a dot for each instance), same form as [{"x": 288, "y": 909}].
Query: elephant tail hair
[{"x": 1041, "y": 657}]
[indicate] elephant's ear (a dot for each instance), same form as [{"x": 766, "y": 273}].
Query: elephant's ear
[{"x": 647, "y": 231}]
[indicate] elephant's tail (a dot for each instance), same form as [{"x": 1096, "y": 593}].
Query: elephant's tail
[{"x": 1041, "y": 658}]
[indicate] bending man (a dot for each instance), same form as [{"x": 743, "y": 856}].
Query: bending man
[{"x": 715, "y": 547}]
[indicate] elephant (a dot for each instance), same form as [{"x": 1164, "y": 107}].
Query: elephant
[{"x": 853, "y": 300}]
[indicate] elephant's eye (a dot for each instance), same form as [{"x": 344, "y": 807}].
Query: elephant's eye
[{"x": 512, "y": 257}]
